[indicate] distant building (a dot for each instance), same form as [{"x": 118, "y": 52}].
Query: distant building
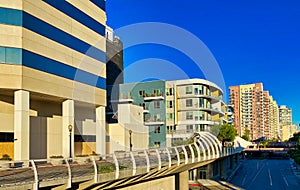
[
  {"x": 255, "y": 111},
  {"x": 175, "y": 110},
  {"x": 285, "y": 115},
  {"x": 274, "y": 120},
  {"x": 285, "y": 121},
  {"x": 114, "y": 71}
]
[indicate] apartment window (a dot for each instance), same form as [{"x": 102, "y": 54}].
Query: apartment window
[
  {"x": 142, "y": 93},
  {"x": 196, "y": 91},
  {"x": 189, "y": 128},
  {"x": 156, "y": 129},
  {"x": 189, "y": 115},
  {"x": 156, "y": 144},
  {"x": 201, "y": 102},
  {"x": 169, "y": 91},
  {"x": 156, "y": 117},
  {"x": 156, "y": 92},
  {"x": 188, "y": 90},
  {"x": 170, "y": 104},
  {"x": 170, "y": 116},
  {"x": 156, "y": 104},
  {"x": 202, "y": 127},
  {"x": 189, "y": 102},
  {"x": 6, "y": 137}
]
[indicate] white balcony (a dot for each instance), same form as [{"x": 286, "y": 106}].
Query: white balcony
[
  {"x": 151, "y": 98},
  {"x": 149, "y": 122},
  {"x": 123, "y": 100}
]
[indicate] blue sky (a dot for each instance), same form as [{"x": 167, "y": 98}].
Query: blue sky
[{"x": 252, "y": 41}]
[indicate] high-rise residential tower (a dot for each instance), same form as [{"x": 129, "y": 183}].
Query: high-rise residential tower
[
  {"x": 52, "y": 78},
  {"x": 254, "y": 111},
  {"x": 285, "y": 122}
]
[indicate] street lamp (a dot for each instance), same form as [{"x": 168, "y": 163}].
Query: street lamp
[
  {"x": 130, "y": 142},
  {"x": 70, "y": 127}
]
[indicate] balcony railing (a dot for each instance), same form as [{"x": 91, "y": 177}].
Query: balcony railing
[
  {"x": 151, "y": 122},
  {"x": 96, "y": 169},
  {"x": 150, "y": 97}
]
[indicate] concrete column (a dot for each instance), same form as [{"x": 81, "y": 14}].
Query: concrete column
[
  {"x": 68, "y": 119},
  {"x": 21, "y": 125},
  {"x": 223, "y": 168},
  {"x": 182, "y": 181},
  {"x": 100, "y": 131}
]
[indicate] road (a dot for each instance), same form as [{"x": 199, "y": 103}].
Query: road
[{"x": 266, "y": 174}]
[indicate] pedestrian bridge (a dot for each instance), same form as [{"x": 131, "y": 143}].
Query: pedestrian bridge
[{"x": 108, "y": 171}]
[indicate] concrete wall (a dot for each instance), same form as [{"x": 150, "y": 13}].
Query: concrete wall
[
  {"x": 167, "y": 183},
  {"x": 130, "y": 117}
]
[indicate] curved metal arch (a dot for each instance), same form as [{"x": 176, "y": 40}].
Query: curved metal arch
[
  {"x": 198, "y": 151},
  {"x": 211, "y": 146},
  {"x": 207, "y": 147},
  {"x": 218, "y": 142},
  {"x": 169, "y": 157},
  {"x": 192, "y": 153},
  {"x": 186, "y": 157},
  {"x": 202, "y": 148},
  {"x": 178, "y": 158},
  {"x": 215, "y": 144}
]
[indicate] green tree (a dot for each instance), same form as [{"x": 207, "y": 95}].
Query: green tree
[
  {"x": 227, "y": 133},
  {"x": 246, "y": 137}
]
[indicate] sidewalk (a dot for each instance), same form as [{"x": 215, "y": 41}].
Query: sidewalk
[{"x": 295, "y": 168}]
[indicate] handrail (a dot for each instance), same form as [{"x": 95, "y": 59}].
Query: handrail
[{"x": 126, "y": 164}]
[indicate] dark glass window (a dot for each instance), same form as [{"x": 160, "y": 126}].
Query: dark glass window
[{"x": 6, "y": 137}]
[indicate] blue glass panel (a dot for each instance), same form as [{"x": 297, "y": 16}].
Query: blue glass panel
[
  {"x": 78, "y": 15},
  {"x": 13, "y": 55},
  {"x": 36, "y": 25},
  {"x": 100, "y": 4},
  {"x": 2, "y": 55},
  {"x": 47, "y": 65},
  {"x": 10, "y": 16}
]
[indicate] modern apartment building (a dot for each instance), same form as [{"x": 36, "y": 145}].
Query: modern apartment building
[
  {"x": 175, "y": 110},
  {"x": 285, "y": 122},
  {"x": 274, "y": 119},
  {"x": 254, "y": 112},
  {"x": 285, "y": 115},
  {"x": 52, "y": 78},
  {"x": 198, "y": 106}
]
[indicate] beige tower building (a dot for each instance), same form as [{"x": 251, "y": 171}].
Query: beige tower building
[
  {"x": 254, "y": 111},
  {"x": 274, "y": 119},
  {"x": 52, "y": 78},
  {"x": 285, "y": 122}
]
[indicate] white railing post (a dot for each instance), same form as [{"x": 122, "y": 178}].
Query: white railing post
[
  {"x": 133, "y": 163},
  {"x": 192, "y": 152},
  {"x": 159, "y": 159},
  {"x": 36, "y": 177},
  {"x": 147, "y": 160},
  {"x": 69, "y": 185},
  {"x": 185, "y": 155},
  {"x": 169, "y": 157},
  {"x": 178, "y": 158},
  {"x": 198, "y": 151},
  {"x": 203, "y": 149},
  {"x": 95, "y": 170},
  {"x": 117, "y": 166}
]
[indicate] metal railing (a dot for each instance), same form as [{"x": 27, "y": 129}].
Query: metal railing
[{"x": 50, "y": 172}]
